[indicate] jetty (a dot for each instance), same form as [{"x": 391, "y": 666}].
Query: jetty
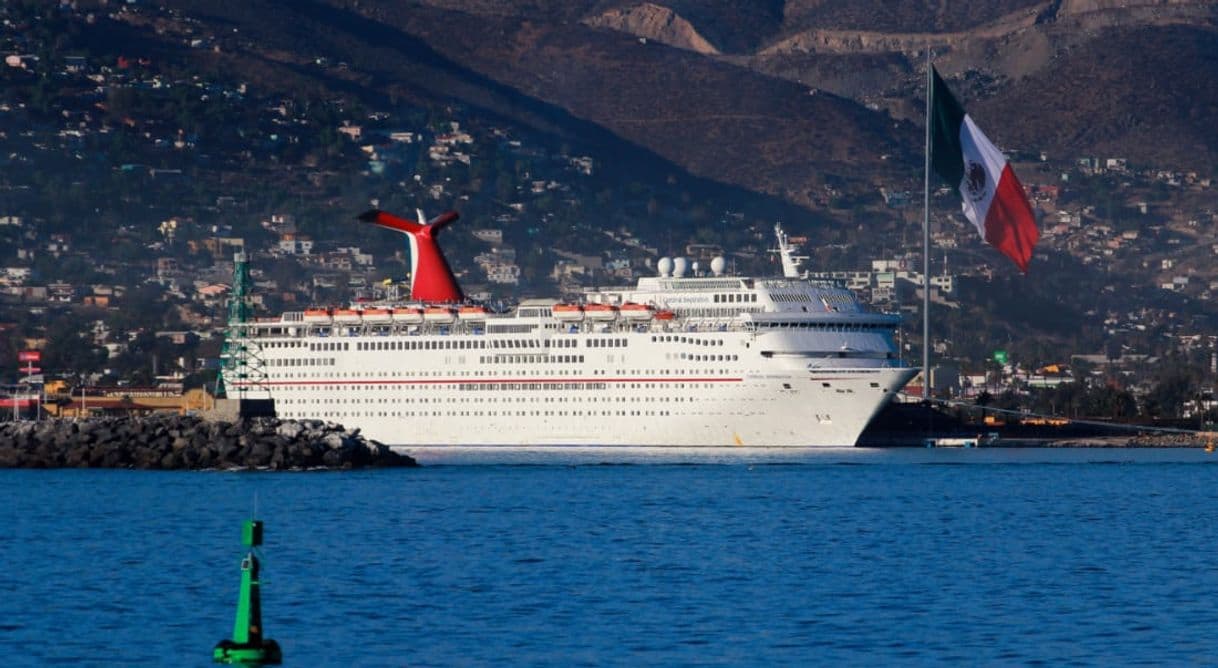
[{"x": 188, "y": 442}]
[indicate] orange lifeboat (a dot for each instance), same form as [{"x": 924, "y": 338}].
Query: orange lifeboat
[
  {"x": 439, "y": 314},
  {"x": 600, "y": 311},
  {"x": 347, "y": 315},
  {"x": 472, "y": 313},
  {"x": 568, "y": 312},
  {"x": 377, "y": 315},
  {"x": 317, "y": 315},
  {"x": 408, "y": 315},
  {"x": 665, "y": 315},
  {"x": 633, "y": 311}
]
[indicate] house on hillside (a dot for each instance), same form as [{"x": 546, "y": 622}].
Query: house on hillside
[
  {"x": 212, "y": 294},
  {"x": 61, "y": 293}
]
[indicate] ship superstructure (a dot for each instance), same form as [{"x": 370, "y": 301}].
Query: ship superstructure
[{"x": 675, "y": 360}]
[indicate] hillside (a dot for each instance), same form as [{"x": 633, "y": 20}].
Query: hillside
[
  {"x": 1082, "y": 76},
  {"x": 1155, "y": 100},
  {"x": 582, "y": 140},
  {"x": 714, "y": 119},
  {"x": 778, "y": 98}
]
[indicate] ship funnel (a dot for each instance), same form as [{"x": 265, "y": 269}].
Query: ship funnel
[{"x": 431, "y": 279}]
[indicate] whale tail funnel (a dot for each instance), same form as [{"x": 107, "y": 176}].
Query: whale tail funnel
[{"x": 431, "y": 279}]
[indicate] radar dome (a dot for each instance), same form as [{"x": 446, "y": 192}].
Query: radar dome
[
  {"x": 679, "y": 265},
  {"x": 665, "y": 266},
  {"x": 718, "y": 265},
  {"x": 695, "y": 268}
]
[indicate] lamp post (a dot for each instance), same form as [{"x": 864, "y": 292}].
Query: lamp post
[{"x": 83, "y": 410}]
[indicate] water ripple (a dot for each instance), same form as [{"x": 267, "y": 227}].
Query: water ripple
[{"x": 873, "y": 558}]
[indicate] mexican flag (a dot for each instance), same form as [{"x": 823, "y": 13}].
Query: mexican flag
[{"x": 993, "y": 199}]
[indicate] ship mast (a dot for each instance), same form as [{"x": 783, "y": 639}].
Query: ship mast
[{"x": 790, "y": 261}]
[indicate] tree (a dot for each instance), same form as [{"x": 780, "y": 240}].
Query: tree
[{"x": 1167, "y": 397}]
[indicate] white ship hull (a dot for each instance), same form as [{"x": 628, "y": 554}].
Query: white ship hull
[
  {"x": 555, "y": 387},
  {"x": 749, "y": 411}
]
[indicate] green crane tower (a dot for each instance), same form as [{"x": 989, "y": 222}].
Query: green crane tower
[
  {"x": 242, "y": 367},
  {"x": 248, "y": 646}
]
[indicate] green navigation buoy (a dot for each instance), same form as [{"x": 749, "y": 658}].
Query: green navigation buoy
[{"x": 247, "y": 645}]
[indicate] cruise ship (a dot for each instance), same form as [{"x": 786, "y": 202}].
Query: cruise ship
[{"x": 682, "y": 358}]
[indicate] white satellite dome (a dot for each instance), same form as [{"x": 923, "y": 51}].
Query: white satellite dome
[
  {"x": 679, "y": 265},
  {"x": 695, "y": 267},
  {"x": 665, "y": 266},
  {"x": 718, "y": 265}
]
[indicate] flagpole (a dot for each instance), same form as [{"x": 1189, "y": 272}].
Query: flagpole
[{"x": 926, "y": 239}]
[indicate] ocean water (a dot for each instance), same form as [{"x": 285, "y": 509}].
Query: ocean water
[{"x": 542, "y": 558}]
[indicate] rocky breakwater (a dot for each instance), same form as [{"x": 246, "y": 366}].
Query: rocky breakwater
[{"x": 188, "y": 442}]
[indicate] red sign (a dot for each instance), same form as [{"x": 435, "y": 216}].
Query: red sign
[
  {"x": 30, "y": 369},
  {"x": 29, "y": 356}
]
